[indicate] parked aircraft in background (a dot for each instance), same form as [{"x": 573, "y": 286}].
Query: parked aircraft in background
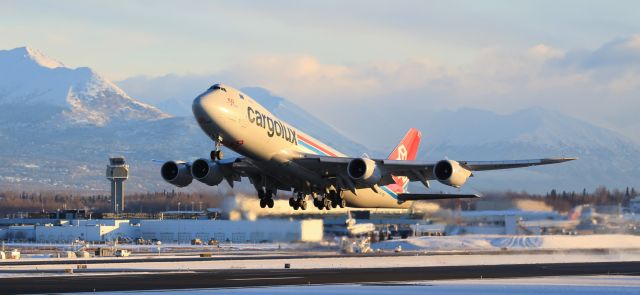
[
  {"x": 355, "y": 229},
  {"x": 278, "y": 157}
]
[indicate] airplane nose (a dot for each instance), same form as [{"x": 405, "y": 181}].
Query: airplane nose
[
  {"x": 198, "y": 103},
  {"x": 203, "y": 106}
]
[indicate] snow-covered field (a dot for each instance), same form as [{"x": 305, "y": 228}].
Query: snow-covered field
[
  {"x": 486, "y": 242},
  {"x": 584, "y": 285}
]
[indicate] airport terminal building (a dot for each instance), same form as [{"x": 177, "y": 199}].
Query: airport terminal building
[{"x": 181, "y": 231}]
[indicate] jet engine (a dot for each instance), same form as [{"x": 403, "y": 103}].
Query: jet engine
[
  {"x": 176, "y": 173},
  {"x": 450, "y": 172},
  {"x": 207, "y": 172},
  {"x": 363, "y": 169}
]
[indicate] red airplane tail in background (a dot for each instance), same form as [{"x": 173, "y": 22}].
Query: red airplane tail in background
[{"x": 407, "y": 149}]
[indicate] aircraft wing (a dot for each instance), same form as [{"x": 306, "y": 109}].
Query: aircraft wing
[
  {"x": 232, "y": 168},
  {"x": 414, "y": 170},
  {"x": 235, "y": 168},
  {"x": 497, "y": 165}
]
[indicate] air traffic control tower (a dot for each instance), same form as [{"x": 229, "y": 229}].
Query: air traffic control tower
[{"x": 117, "y": 173}]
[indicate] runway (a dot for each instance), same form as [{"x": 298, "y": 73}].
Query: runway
[{"x": 234, "y": 278}]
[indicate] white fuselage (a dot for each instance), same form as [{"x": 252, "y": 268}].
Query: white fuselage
[{"x": 249, "y": 129}]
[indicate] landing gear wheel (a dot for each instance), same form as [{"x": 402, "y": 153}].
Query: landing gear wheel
[
  {"x": 334, "y": 203},
  {"x": 327, "y": 203},
  {"x": 343, "y": 203},
  {"x": 270, "y": 203},
  {"x": 291, "y": 202},
  {"x": 303, "y": 204},
  {"x": 216, "y": 155},
  {"x": 263, "y": 203}
]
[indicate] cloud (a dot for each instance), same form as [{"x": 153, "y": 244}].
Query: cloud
[
  {"x": 545, "y": 52},
  {"x": 618, "y": 53},
  {"x": 599, "y": 85}
]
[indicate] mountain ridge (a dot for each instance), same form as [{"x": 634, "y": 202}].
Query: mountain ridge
[
  {"x": 48, "y": 142},
  {"x": 81, "y": 95}
]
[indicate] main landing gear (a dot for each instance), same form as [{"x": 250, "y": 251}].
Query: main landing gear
[
  {"x": 331, "y": 200},
  {"x": 299, "y": 202},
  {"x": 266, "y": 198}
]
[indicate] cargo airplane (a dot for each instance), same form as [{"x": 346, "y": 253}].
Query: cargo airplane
[{"x": 276, "y": 156}]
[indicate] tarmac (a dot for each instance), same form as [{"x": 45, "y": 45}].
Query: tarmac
[{"x": 242, "y": 278}]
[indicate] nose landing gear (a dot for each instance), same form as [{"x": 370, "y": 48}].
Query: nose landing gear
[{"x": 217, "y": 154}]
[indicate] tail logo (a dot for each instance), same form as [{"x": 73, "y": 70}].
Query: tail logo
[{"x": 402, "y": 153}]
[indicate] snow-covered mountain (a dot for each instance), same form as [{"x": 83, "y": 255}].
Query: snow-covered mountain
[
  {"x": 32, "y": 80},
  {"x": 58, "y": 126},
  {"x": 605, "y": 157}
]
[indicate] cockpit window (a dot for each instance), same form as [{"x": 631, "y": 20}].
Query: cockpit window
[
  {"x": 217, "y": 86},
  {"x": 241, "y": 96}
]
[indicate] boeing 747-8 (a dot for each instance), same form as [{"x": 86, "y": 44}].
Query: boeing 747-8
[{"x": 276, "y": 156}]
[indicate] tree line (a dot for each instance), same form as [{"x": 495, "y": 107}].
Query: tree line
[
  {"x": 12, "y": 202},
  {"x": 561, "y": 201}
]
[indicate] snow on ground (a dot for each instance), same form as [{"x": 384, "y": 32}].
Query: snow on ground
[
  {"x": 584, "y": 285},
  {"x": 168, "y": 246},
  {"x": 488, "y": 242}
]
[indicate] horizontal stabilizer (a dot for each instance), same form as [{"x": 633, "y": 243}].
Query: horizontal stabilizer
[{"x": 417, "y": 197}]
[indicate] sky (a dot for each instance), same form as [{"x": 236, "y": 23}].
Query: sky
[{"x": 349, "y": 61}]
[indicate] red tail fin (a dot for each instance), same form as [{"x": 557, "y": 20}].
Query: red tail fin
[
  {"x": 407, "y": 149},
  {"x": 408, "y": 146}
]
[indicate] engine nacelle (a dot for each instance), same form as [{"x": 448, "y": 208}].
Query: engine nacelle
[
  {"x": 450, "y": 172},
  {"x": 177, "y": 173},
  {"x": 207, "y": 172},
  {"x": 363, "y": 169}
]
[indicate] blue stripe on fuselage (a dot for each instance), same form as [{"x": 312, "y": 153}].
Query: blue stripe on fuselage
[
  {"x": 312, "y": 148},
  {"x": 308, "y": 146},
  {"x": 390, "y": 192}
]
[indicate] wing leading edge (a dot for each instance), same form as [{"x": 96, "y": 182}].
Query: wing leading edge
[{"x": 497, "y": 165}]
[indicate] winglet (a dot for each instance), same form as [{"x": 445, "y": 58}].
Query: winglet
[{"x": 557, "y": 160}]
